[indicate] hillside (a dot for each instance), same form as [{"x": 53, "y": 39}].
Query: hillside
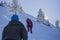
[{"x": 40, "y": 31}]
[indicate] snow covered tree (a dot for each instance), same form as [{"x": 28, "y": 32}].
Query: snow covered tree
[
  {"x": 40, "y": 16},
  {"x": 46, "y": 22},
  {"x": 57, "y": 23},
  {"x": 3, "y": 3},
  {"x": 15, "y": 7}
]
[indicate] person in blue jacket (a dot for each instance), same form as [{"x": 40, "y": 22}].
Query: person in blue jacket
[{"x": 15, "y": 30}]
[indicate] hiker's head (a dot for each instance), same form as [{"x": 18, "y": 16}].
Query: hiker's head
[
  {"x": 28, "y": 19},
  {"x": 15, "y": 17}
]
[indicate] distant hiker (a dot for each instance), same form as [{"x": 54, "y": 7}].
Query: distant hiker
[
  {"x": 15, "y": 30},
  {"x": 29, "y": 25}
]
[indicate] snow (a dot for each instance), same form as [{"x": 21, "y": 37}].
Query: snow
[{"x": 40, "y": 31}]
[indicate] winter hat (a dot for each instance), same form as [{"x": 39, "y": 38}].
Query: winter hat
[{"x": 15, "y": 17}]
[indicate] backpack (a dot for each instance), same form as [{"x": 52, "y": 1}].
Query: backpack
[
  {"x": 14, "y": 30},
  {"x": 30, "y": 22}
]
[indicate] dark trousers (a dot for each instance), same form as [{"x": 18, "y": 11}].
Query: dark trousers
[
  {"x": 30, "y": 28},
  {"x": 10, "y": 39}
]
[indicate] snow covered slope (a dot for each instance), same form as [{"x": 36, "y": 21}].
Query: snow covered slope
[{"x": 40, "y": 31}]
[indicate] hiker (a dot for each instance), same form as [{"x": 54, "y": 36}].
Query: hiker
[
  {"x": 15, "y": 30},
  {"x": 29, "y": 25}
]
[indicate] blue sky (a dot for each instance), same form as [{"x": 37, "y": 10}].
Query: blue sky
[{"x": 50, "y": 7}]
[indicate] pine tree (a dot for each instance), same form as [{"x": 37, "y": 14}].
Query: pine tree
[
  {"x": 3, "y": 3},
  {"x": 57, "y": 23},
  {"x": 46, "y": 22},
  {"x": 40, "y": 16},
  {"x": 42, "y": 19},
  {"x": 15, "y": 7}
]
